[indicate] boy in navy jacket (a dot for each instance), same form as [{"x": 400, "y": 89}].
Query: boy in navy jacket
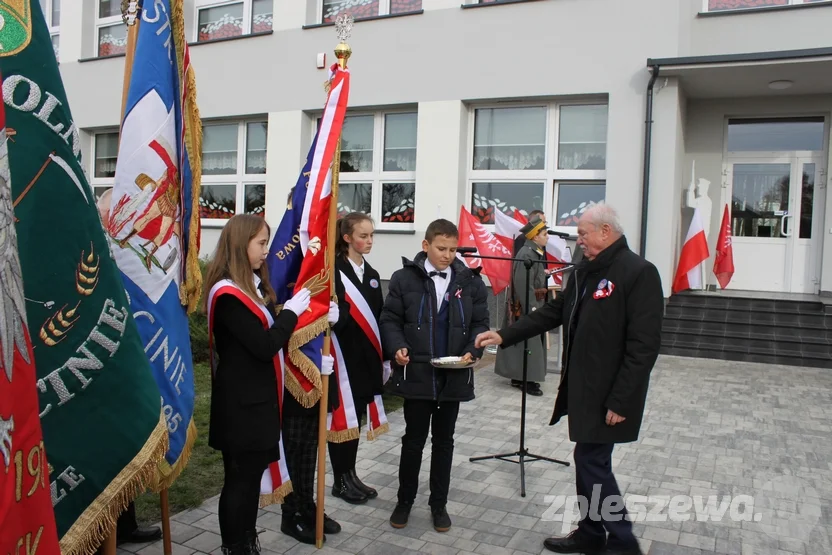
[{"x": 435, "y": 307}]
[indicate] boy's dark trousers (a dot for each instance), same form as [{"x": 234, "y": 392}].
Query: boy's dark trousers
[{"x": 421, "y": 416}]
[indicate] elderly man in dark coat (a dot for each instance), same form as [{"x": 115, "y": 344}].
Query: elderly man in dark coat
[
  {"x": 611, "y": 312},
  {"x": 509, "y": 363}
]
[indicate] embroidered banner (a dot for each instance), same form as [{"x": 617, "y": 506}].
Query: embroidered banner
[
  {"x": 100, "y": 413},
  {"x": 25, "y": 502},
  {"x": 153, "y": 221}
]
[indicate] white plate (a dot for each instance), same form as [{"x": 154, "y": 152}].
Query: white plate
[{"x": 451, "y": 362}]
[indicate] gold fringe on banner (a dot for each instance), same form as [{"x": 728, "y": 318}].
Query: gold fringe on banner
[
  {"x": 342, "y": 436},
  {"x": 381, "y": 430},
  {"x": 277, "y": 496},
  {"x": 167, "y": 473},
  {"x": 191, "y": 288},
  {"x": 303, "y": 363},
  {"x": 98, "y": 521}
]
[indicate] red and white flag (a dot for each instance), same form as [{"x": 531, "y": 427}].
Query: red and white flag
[
  {"x": 507, "y": 228},
  {"x": 694, "y": 254},
  {"x": 27, "y": 521},
  {"x": 473, "y": 234},
  {"x": 724, "y": 261}
]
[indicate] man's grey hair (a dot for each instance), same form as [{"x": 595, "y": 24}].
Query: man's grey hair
[{"x": 600, "y": 214}]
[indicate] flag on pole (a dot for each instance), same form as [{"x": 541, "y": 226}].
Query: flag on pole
[
  {"x": 25, "y": 501},
  {"x": 694, "y": 254},
  {"x": 298, "y": 252},
  {"x": 154, "y": 223},
  {"x": 99, "y": 404},
  {"x": 473, "y": 234},
  {"x": 506, "y": 229},
  {"x": 724, "y": 260}
]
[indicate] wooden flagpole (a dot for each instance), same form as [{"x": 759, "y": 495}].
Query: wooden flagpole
[{"x": 343, "y": 51}]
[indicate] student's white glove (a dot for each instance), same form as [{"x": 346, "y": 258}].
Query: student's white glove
[
  {"x": 334, "y": 313},
  {"x": 300, "y": 302},
  {"x": 327, "y": 364},
  {"x": 387, "y": 371}
]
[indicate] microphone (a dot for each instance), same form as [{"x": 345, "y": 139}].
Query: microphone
[
  {"x": 560, "y": 234},
  {"x": 466, "y": 250}
]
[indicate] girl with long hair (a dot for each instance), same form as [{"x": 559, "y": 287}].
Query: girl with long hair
[
  {"x": 365, "y": 368},
  {"x": 247, "y": 333}
]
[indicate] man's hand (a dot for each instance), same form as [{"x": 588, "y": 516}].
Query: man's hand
[
  {"x": 468, "y": 357},
  {"x": 613, "y": 419},
  {"x": 401, "y": 357},
  {"x": 488, "y": 338}
]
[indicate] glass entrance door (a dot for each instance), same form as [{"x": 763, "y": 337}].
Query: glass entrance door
[{"x": 773, "y": 219}]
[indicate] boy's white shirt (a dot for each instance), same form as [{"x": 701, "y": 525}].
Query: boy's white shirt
[{"x": 439, "y": 282}]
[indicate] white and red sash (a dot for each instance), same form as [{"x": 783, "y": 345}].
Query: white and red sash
[
  {"x": 342, "y": 423},
  {"x": 275, "y": 484},
  {"x": 362, "y": 314}
]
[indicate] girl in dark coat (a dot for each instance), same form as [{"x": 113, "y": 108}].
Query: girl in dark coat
[
  {"x": 246, "y": 335},
  {"x": 365, "y": 368}
]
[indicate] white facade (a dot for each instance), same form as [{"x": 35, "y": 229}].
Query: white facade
[{"x": 542, "y": 99}]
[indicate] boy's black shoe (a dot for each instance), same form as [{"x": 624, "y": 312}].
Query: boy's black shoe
[
  {"x": 575, "y": 542},
  {"x": 441, "y": 519},
  {"x": 345, "y": 489},
  {"x": 330, "y": 526},
  {"x": 400, "y": 515},
  {"x": 296, "y": 527},
  {"x": 362, "y": 487}
]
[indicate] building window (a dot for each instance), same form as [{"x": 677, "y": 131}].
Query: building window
[
  {"x": 378, "y": 167},
  {"x": 549, "y": 157},
  {"x": 105, "y": 154},
  {"x": 233, "y": 169},
  {"x": 722, "y": 5},
  {"x": 110, "y": 28},
  {"x": 52, "y": 14},
  {"x": 331, "y": 9},
  {"x": 223, "y": 19}
]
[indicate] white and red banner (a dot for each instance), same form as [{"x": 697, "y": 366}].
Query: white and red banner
[
  {"x": 724, "y": 260},
  {"x": 303, "y": 361},
  {"x": 694, "y": 254},
  {"x": 473, "y": 234}
]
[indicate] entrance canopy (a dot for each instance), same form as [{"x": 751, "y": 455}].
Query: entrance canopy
[{"x": 787, "y": 72}]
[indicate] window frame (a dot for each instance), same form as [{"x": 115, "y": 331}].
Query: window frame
[
  {"x": 377, "y": 176},
  {"x": 550, "y": 176},
  {"x": 383, "y": 10},
  {"x": 706, "y": 7},
  {"x": 240, "y": 179},
  {"x": 101, "y": 182},
  {"x": 101, "y": 23},
  {"x": 54, "y": 30},
  {"x": 248, "y": 15}
]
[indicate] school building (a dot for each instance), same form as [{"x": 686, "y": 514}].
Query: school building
[{"x": 653, "y": 106}]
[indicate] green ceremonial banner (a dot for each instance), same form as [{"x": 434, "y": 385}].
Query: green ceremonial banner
[{"x": 100, "y": 407}]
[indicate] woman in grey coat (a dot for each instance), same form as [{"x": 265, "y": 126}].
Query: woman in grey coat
[{"x": 510, "y": 361}]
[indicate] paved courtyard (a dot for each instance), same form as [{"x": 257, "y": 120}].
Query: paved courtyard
[{"x": 712, "y": 428}]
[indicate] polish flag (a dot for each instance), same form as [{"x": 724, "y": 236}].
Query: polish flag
[
  {"x": 724, "y": 261},
  {"x": 694, "y": 254},
  {"x": 506, "y": 229}
]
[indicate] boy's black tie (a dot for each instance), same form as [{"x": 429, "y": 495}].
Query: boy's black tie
[{"x": 443, "y": 275}]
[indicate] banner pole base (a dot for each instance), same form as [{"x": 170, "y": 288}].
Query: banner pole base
[{"x": 165, "y": 505}]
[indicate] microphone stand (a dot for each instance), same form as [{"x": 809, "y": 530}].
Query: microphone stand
[{"x": 523, "y": 455}]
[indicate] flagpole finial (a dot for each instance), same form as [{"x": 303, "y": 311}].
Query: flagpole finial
[
  {"x": 130, "y": 11},
  {"x": 343, "y": 29}
]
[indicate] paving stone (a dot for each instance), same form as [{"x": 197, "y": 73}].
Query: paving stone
[{"x": 711, "y": 428}]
